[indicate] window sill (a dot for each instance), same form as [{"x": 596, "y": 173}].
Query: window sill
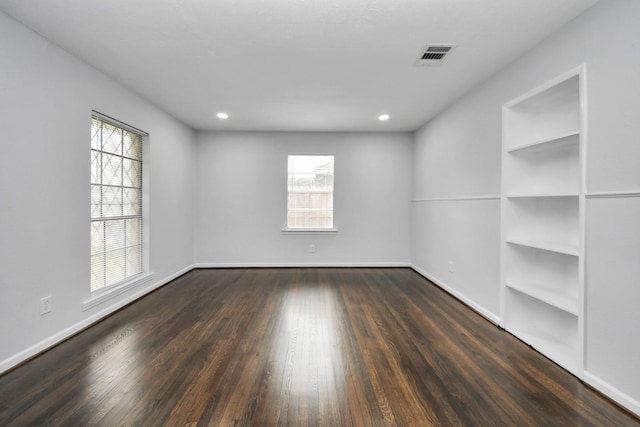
[
  {"x": 309, "y": 230},
  {"x": 99, "y": 297}
]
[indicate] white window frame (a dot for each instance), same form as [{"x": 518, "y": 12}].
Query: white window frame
[
  {"x": 142, "y": 274},
  {"x": 328, "y": 229}
]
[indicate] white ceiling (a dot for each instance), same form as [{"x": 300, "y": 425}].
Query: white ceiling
[{"x": 303, "y": 65}]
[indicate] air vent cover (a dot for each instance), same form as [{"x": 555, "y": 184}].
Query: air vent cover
[{"x": 434, "y": 54}]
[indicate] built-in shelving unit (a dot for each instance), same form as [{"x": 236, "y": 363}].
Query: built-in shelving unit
[{"x": 542, "y": 252}]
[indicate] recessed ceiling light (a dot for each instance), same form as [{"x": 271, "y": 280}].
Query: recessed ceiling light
[
  {"x": 383, "y": 117},
  {"x": 222, "y": 116}
]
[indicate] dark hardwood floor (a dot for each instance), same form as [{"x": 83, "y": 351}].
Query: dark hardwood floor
[{"x": 304, "y": 346}]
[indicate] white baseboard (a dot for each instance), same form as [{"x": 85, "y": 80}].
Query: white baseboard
[
  {"x": 594, "y": 381},
  {"x": 51, "y": 341},
  {"x": 613, "y": 393},
  {"x": 297, "y": 264},
  {"x": 607, "y": 389},
  {"x": 472, "y": 304}
]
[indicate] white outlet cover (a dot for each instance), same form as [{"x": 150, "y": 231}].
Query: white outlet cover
[{"x": 45, "y": 305}]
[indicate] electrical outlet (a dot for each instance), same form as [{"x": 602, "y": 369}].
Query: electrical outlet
[
  {"x": 312, "y": 249},
  {"x": 451, "y": 265},
  {"x": 45, "y": 305}
]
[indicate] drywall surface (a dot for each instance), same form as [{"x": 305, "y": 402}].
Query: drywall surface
[
  {"x": 454, "y": 244},
  {"x": 241, "y": 199},
  {"x": 45, "y": 115},
  {"x": 456, "y": 202},
  {"x": 613, "y": 293},
  {"x": 467, "y": 138}
]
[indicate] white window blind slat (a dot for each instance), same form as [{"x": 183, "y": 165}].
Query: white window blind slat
[{"x": 116, "y": 204}]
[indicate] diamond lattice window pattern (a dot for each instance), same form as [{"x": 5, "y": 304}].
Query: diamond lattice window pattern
[{"x": 116, "y": 204}]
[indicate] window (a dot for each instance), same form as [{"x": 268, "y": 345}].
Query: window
[
  {"x": 116, "y": 203},
  {"x": 310, "y": 192}
]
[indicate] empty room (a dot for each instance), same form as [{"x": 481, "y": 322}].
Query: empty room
[{"x": 331, "y": 212}]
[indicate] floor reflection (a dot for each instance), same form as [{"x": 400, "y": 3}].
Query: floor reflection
[
  {"x": 306, "y": 358},
  {"x": 114, "y": 373}
]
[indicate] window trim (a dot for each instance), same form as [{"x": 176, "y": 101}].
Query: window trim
[
  {"x": 314, "y": 230},
  {"x": 107, "y": 292},
  {"x": 310, "y": 230},
  {"x": 120, "y": 124},
  {"x": 112, "y": 291}
]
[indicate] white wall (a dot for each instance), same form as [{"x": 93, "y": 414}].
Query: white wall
[
  {"x": 467, "y": 137},
  {"x": 456, "y": 205},
  {"x": 45, "y": 111},
  {"x": 241, "y": 199}
]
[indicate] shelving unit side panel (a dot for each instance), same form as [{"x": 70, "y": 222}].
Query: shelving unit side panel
[{"x": 582, "y": 88}]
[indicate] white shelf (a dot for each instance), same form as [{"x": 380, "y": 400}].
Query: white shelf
[
  {"x": 543, "y": 219},
  {"x": 561, "y": 353},
  {"x": 549, "y": 168},
  {"x": 561, "y": 248},
  {"x": 551, "y": 331},
  {"x": 555, "y": 275},
  {"x": 561, "y": 301},
  {"x": 545, "y": 114},
  {"x": 569, "y": 137}
]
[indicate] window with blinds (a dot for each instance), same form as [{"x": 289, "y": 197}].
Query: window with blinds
[
  {"x": 310, "y": 192},
  {"x": 116, "y": 204}
]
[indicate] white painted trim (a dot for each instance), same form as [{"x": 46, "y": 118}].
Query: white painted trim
[
  {"x": 299, "y": 264},
  {"x": 116, "y": 122},
  {"x": 470, "y": 303},
  {"x": 577, "y": 71},
  {"x": 309, "y": 230},
  {"x": 456, "y": 199},
  {"x": 101, "y": 297},
  {"x": 610, "y": 391},
  {"x": 582, "y": 209},
  {"x": 612, "y": 194},
  {"x": 57, "y": 338}
]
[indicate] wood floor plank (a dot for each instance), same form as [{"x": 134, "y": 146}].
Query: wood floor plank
[{"x": 298, "y": 347}]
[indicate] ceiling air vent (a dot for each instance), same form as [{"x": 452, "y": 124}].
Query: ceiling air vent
[{"x": 434, "y": 54}]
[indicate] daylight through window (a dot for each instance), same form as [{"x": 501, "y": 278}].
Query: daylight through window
[
  {"x": 310, "y": 192},
  {"x": 116, "y": 204}
]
